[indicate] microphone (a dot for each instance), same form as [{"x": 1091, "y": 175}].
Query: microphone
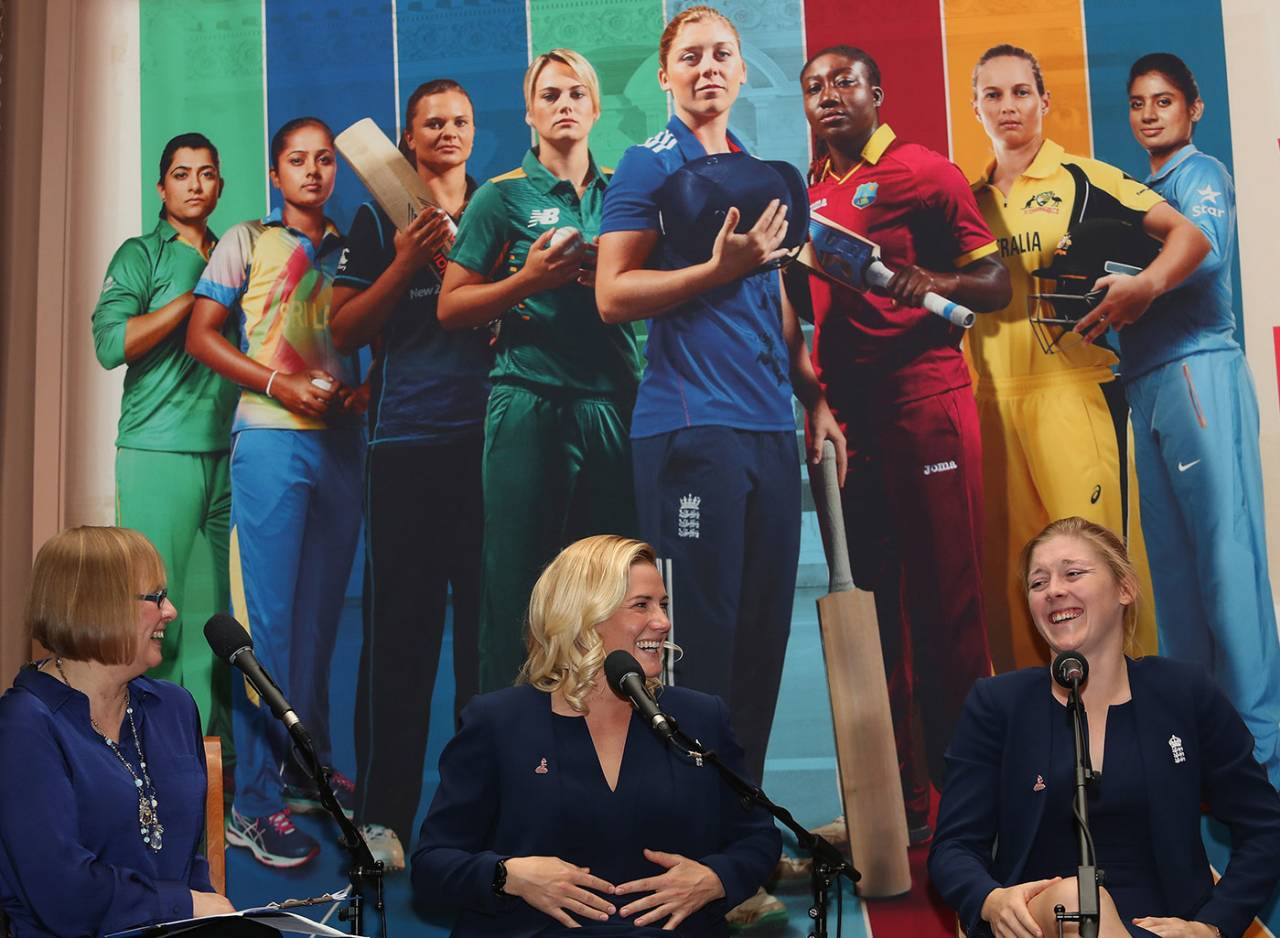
[
  {"x": 1070, "y": 668},
  {"x": 626, "y": 679},
  {"x": 232, "y": 644}
]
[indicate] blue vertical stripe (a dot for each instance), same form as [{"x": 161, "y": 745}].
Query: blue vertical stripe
[
  {"x": 333, "y": 60},
  {"x": 483, "y": 47},
  {"x": 1118, "y": 34}
]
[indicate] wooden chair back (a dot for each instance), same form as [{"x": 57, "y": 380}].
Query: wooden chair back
[{"x": 215, "y": 816}]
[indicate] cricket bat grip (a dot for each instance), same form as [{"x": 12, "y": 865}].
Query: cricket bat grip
[
  {"x": 879, "y": 275},
  {"x": 831, "y": 521}
]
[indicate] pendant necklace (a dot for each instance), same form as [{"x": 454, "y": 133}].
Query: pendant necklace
[{"x": 148, "y": 820}]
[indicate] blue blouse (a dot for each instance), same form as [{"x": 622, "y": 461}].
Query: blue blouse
[{"x": 72, "y": 860}]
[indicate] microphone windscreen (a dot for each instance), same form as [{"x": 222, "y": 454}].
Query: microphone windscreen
[
  {"x": 1067, "y": 662},
  {"x": 617, "y": 666},
  {"x": 226, "y": 636}
]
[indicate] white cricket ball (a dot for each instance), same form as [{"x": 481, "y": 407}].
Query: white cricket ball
[{"x": 561, "y": 236}]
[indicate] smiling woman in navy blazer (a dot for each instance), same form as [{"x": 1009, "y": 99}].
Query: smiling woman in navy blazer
[
  {"x": 558, "y": 807},
  {"x": 1165, "y": 740}
]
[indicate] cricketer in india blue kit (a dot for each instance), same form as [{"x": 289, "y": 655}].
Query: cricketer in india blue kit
[
  {"x": 1195, "y": 426},
  {"x": 716, "y": 467}
]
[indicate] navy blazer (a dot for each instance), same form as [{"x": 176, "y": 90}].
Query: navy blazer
[
  {"x": 498, "y": 799},
  {"x": 994, "y": 795}
]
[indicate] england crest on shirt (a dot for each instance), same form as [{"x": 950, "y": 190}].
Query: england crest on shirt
[{"x": 865, "y": 194}]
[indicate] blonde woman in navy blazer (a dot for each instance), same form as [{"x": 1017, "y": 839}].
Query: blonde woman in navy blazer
[
  {"x": 559, "y": 809},
  {"x": 1165, "y": 740}
]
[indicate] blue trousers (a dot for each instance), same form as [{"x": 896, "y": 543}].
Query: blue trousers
[
  {"x": 724, "y": 506},
  {"x": 295, "y": 518},
  {"x": 1195, "y": 427}
]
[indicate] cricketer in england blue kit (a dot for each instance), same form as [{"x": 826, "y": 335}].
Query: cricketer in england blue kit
[
  {"x": 1195, "y": 426},
  {"x": 716, "y": 467}
]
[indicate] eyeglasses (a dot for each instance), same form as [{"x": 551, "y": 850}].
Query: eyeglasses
[{"x": 157, "y": 597}]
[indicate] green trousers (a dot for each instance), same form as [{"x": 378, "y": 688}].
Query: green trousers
[
  {"x": 557, "y": 467},
  {"x": 182, "y": 503}
]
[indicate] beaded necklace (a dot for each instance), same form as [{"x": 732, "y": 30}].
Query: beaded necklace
[{"x": 148, "y": 820}]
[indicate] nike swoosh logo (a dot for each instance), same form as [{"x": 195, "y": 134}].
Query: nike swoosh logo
[{"x": 1183, "y": 467}]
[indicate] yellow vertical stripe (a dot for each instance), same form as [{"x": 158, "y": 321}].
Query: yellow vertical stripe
[
  {"x": 1053, "y": 31},
  {"x": 239, "y": 608}
]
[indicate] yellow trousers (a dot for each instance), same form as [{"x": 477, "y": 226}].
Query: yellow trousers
[{"x": 1049, "y": 451}]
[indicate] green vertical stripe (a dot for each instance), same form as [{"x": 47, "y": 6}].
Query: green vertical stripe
[
  {"x": 620, "y": 39},
  {"x": 201, "y": 70}
]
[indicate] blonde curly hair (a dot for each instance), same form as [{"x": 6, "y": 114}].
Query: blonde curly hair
[{"x": 577, "y": 591}]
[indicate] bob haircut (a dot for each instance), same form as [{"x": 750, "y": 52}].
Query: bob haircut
[
  {"x": 83, "y": 602},
  {"x": 574, "y": 62},
  {"x": 694, "y": 14},
  {"x": 1110, "y": 550},
  {"x": 576, "y": 592}
]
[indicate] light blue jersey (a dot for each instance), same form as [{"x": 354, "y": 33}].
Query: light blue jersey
[{"x": 1197, "y": 316}]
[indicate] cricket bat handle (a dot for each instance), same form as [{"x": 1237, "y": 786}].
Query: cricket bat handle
[
  {"x": 879, "y": 275},
  {"x": 831, "y": 521}
]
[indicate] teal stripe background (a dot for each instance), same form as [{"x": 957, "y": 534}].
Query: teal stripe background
[{"x": 201, "y": 69}]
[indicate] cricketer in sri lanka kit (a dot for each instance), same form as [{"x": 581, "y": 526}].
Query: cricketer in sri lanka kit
[{"x": 172, "y": 478}]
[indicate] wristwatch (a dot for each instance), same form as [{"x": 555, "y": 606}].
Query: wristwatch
[{"x": 500, "y": 878}]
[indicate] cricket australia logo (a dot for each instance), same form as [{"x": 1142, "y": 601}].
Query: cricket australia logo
[
  {"x": 1175, "y": 746},
  {"x": 689, "y": 517},
  {"x": 865, "y": 194},
  {"x": 1048, "y": 202},
  {"x": 544, "y": 216}
]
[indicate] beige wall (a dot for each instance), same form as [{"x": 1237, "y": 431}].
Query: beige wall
[{"x": 1252, "y": 30}]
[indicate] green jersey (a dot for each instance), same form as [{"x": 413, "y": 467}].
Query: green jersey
[
  {"x": 554, "y": 338},
  {"x": 171, "y": 403}
]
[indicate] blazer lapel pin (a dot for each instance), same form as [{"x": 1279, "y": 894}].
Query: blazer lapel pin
[
  {"x": 542, "y": 768},
  {"x": 1039, "y": 785},
  {"x": 1175, "y": 746}
]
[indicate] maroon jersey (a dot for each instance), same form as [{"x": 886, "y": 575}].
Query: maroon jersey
[{"x": 917, "y": 206}]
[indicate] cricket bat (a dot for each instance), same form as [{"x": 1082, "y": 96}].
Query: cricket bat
[
  {"x": 394, "y": 184},
  {"x": 866, "y": 757},
  {"x": 850, "y": 259}
]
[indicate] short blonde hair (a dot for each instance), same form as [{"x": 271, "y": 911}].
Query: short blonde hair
[
  {"x": 1110, "y": 550},
  {"x": 577, "y": 591},
  {"x": 82, "y": 603},
  {"x": 692, "y": 14},
  {"x": 571, "y": 60}
]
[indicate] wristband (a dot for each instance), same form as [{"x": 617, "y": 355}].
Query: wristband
[{"x": 267, "y": 391}]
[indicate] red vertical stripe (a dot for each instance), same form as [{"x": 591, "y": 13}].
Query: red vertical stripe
[
  {"x": 905, "y": 39},
  {"x": 1275, "y": 331}
]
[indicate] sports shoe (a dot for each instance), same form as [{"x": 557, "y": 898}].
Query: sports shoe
[
  {"x": 304, "y": 798},
  {"x": 758, "y": 910},
  {"x": 272, "y": 839},
  {"x": 384, "y": 845}
]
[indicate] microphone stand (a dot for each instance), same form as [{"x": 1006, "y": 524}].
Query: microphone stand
[
  {"x": 365, "y": 872},
  {"x": 828, "y": 863},
  {"x": 1088, "y": 876}
]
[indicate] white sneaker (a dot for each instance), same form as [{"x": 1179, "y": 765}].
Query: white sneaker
[{"x": 384, "y": 845}]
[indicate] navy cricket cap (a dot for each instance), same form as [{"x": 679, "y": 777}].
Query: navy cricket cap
[{"x": 693, "y": 201}]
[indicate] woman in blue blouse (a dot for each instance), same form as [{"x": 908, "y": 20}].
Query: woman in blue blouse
[
  {"x": 103, "y": 788},
  {"x": 1164, "y": 740},
  {"x": 559, "y": 809}
]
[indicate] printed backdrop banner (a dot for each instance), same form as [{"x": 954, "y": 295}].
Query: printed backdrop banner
[{"x": 238, "y": 69}]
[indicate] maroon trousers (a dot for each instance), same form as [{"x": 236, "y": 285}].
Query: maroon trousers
[{"x": 913, "y": 516}]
